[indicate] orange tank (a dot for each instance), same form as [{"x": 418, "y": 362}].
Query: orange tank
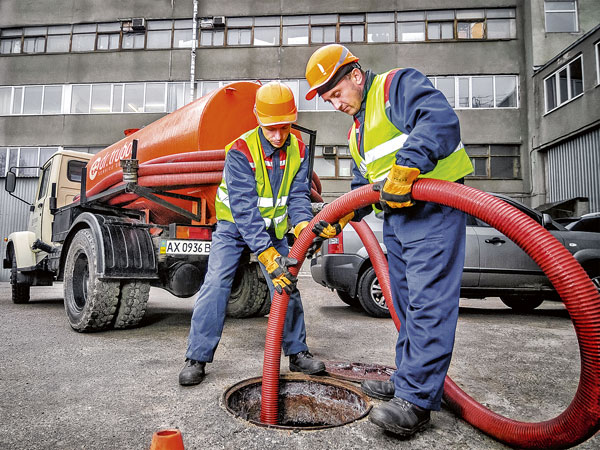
[{"x": 209, "y": 123}]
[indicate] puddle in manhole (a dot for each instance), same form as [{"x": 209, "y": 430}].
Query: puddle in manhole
[{"x": 305, "y": 402}]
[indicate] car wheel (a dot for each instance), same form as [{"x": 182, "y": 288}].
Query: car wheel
[
  {"x": 347, "y": 298},
  {"x": 521, "y": 303},
  {"x": 593, "y": 271},
  {"x": 370, "y": 295}
]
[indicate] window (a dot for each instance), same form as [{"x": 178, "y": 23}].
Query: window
[
  {"x": 239, "y": 30},
  {"x": 34, "y": 40},
  {"x": 492, "y": 91},
  {"x": 564, "y": 85},
  {"x": 380, "y": 27},
  {"x": 155, "y": 100},
  {"x": 495, "y": 161},
  {"x": 295, "y": 30},
  {"x": 182, "y": 33},
  {"x": 501, "y": 23},
  {"x": 32, "y": 100},
  {"x": 159, "y": 34},
  {"x": 210, "y": 38},
  {"x": 5, "y": 99},
  {"x": 333, "y": 161},
  {"x": 440, "y": 25},
  {"x": 52, "y": 103},
  {"x": 24, "y": 156},
  {"x": 323, "y": 28},
  {"x": 75, "y": 169},
  {"x": 59, "y": 39},
  {"x": 411, "y": 26},
  {"x": 133, "y": 98},
  {"x": 84, "y": 38},
  {"x": 470, "y": 24},
  {"x": 597, "y": 48},
  {"x": 352, "y": 28},
  {"x": 80, "y": 99},
  {"x": 100, "y": 98},
  {"x": 561, "y": 16}
]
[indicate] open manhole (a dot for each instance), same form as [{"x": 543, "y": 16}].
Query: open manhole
[{"x": 305, "y": 402}]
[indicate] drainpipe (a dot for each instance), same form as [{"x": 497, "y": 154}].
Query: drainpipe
[{"x": 193, "y": 56}]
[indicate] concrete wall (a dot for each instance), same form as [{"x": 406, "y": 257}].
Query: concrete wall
[
  {"x": 547, "y": 45},
  {"x": 580, "y": 113}
]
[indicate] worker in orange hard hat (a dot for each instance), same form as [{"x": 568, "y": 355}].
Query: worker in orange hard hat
[
  {"x": 265, "y": 160},
  {"x": 403, "y": 129}
]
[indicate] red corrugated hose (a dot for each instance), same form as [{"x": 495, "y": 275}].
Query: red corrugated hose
[{"x": 581, "y": 419}]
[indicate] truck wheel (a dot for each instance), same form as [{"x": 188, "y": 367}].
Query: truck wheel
[
  {"x": 133, "y": 299},
  {"x": 370, "y": 295},
  {"x": 20, "y": 291},
  {"x": 520, "y": 303},
  {"x": 90, "y": 303},
  {"x": 266, "y": 306},
  {"x": 248, "y": 292}
]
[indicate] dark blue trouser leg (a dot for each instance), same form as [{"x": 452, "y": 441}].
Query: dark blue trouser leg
[
  {"x": 294, "y": 330},
  {"x": 210, "y": 308},
  {"x": 425, "y": 245}
]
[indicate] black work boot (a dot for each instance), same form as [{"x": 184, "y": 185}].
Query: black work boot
[
  {"x": 305, "y": 363},
  {"x": 400, "y": 417},
  {"x": 382, "y": 390},
  {"x": 192, "y": 373}
]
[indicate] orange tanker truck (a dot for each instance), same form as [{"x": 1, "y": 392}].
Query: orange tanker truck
[{"x": 139, "y": 213}]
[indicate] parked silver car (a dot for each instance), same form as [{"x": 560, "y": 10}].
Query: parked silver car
[{"x": 494, "y": 265}]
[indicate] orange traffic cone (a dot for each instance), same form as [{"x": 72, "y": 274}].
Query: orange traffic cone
[{"x": 167, "y": 440}]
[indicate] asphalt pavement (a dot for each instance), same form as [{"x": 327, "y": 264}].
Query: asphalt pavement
[{"x": 60, "y": 389}]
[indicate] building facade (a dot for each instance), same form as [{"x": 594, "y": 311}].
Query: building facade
[{"x": 76, "y": 73}]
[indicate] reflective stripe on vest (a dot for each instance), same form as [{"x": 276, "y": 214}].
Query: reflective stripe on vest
[
  {"x": 273, "y": 210},
  {"x": 381, "y": 141}
]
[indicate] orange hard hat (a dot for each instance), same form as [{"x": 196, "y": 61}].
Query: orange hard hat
[
  {"x": 323, "y": 65},
  {"x": 275, "y": 104}
]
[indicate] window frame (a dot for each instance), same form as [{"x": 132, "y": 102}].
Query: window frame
[
  {"x": 556, "y": 75},
  {"x": 575, "y": 11}
]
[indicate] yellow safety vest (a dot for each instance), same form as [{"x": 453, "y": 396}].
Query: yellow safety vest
[
  {"x": 272, "y": 209},
  {"x": 381, "y": 141}
]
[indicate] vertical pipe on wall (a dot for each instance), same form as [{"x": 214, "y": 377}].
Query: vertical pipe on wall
[{"x": 193, "y": 55}]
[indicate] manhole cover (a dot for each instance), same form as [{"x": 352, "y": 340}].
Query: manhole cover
[
  {"x": 358, "y": 371},
  {"x": 305, "y": 403}
]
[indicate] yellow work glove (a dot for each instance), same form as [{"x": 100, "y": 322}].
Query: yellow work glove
[
  {"x": 325, "y": 230},
  {"x": 277, "y": 267},
  {"x": 298, "y": 228},
  {"x": 397, "y": 187}
]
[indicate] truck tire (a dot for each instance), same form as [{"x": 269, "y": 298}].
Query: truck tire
[
  {"x": 248, "y": 293},
  {"x": 266, "y": 306},
  {"x": 20, "y": 291},
  {"x": 133, "y": 299},
  {"x": 370, "y": 295},
  {"x": 90, "y": 303}
]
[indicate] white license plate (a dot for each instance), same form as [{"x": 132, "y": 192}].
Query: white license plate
[{"x": 184, "y": 247}]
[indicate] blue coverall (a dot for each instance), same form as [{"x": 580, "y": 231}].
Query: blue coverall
[
  {"x": 228, "y": 242},
  {"x": 425, "y": 242}
]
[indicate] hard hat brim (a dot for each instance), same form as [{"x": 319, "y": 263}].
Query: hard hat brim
[{"x": 268, "y": 121}]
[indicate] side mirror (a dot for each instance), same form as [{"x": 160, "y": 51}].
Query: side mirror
[
  {"x": 10, "y": 182},
  {"x": 546, "y": 220}
]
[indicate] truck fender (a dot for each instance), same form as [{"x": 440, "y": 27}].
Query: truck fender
[
  {"x": 21, "y": 242},
  {"x": 124, "y": 250},
  {"x": 586, "y": 255}
]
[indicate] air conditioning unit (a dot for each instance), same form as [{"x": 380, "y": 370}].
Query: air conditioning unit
[
  {"x": 206, "y": 23},
  {"x": 329, "y": 151},
  {"x": 218, "y": 21},
  {"x": 138, "y": 24}
]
